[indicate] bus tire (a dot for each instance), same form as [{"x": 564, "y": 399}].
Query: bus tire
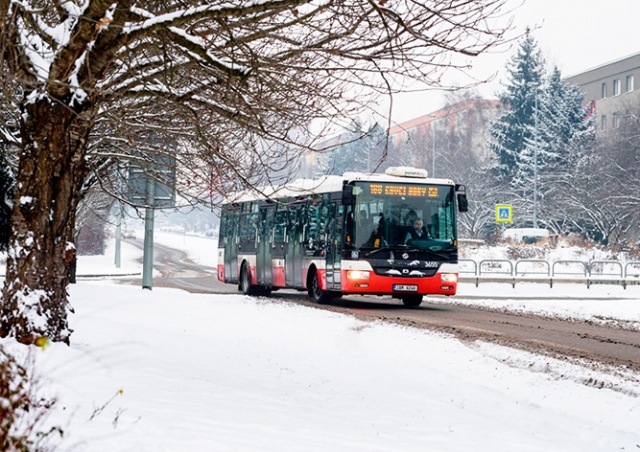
[
  {"x": 315, "y": 292},
  {"x": 412, "y": 301},
  {"x": 245, "y": 281}
]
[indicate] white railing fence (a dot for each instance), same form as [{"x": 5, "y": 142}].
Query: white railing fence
[{"x": 550, "y": 272}]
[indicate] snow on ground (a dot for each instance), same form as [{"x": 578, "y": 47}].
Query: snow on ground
[{"x": 164, "y": 370}]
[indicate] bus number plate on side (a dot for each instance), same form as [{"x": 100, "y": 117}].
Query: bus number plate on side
[{"x": 405, "y": 288}]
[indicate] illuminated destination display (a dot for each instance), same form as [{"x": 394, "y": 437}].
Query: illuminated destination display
[{"x": 403, "y": 190}]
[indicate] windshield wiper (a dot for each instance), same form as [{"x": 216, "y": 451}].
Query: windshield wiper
[
  {"x": 392, "y": 248},
  {"x": 406, "y": 248}
]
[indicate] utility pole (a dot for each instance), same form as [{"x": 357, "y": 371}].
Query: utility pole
[
  {"x": 119, "y": 214},
  {"x": 147, "y": 259},
  {"x": 535, "y": 164},
  {"x": 118, "y": 232},
  {"x": 433, "y": 145}
]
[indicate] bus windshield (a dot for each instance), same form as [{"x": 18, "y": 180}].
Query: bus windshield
[{"x": 418, "y": 216}]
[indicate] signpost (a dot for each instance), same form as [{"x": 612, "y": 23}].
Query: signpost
[{"x": 152, "y": 187}]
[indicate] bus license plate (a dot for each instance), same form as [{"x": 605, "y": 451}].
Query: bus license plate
[{"x": 405, "y": 288}]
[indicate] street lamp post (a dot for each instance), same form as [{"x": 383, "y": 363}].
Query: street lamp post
[
  {"x": 433, "y": 145},
  {"x": 535, "y": 167},
  {"x": 433, "y": 150}
]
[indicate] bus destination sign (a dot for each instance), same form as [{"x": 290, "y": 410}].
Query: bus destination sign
[{"x": 419, "y": 191}]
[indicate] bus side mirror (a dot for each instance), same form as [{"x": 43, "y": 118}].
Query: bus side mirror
[
  {"x": 463, "y": 204},
  {"x": 347, "y": 194}
]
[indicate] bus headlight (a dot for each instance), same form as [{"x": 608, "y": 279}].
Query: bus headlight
[
  {"x": 449, "y": 277},
  {"x": 358, "y": 274}
]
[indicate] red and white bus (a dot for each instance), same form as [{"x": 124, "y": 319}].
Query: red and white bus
[{"x": 348, "y": 234}]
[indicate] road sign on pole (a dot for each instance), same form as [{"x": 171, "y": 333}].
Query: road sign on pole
[
  {"x": 161, "y": 171},
  {"x": 504, "y": 213},
  {"x": 151, "y": 184}
]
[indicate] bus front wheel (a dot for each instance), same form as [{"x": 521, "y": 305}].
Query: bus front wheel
[
  {"x": 316, "y": 293},
  {"x": 412, "y": 301}
]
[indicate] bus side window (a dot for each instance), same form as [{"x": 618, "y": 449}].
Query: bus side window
[
  {"x": 295, "y": 217},
  {"x": 339, "y": 218},
  {"x": 349, "y": 223},
  {"x": 249, "y": 225},
  {"x": 316, "y": 222},
  {"x": 311, "y": 222},
  {"x": 280, "y": 226},
  {"x": 266, "y": 223},
  {"x": 229, "y": 227},
  {"x": 323, "y": 215},
  {"x": 222, "y": 234}
]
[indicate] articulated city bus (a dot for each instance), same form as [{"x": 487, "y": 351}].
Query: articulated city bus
[{"x": 377, "y": 234}]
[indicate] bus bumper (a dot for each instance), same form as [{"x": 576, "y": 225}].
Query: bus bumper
[{"x": 363, "y": 282}]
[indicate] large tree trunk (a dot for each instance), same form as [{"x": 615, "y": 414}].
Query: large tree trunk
[{"x": 50, "y": 175}]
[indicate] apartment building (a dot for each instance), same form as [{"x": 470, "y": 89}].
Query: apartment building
[
  {"x": 470, "y": 116},
  {"x": 613, "y": 89}
]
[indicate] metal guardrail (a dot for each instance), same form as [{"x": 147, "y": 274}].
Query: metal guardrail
[{"x": 543, "y": 271}]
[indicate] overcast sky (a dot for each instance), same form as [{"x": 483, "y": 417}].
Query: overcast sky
[{"x": 574, "y": 35}]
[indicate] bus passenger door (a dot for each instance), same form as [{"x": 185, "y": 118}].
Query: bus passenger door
[
  {"x": 265, "y": 228},
  {"x": 230, "y": 248},
  {"x": 333, "y": 242},
  {"x": 293, "y": 261},
  {"x": 278, "y": 247}
]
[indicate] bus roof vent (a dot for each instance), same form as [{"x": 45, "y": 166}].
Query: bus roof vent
[{"x": 406, "y": 171}]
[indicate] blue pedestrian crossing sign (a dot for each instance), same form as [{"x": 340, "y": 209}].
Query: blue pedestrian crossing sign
[{"x": 504, "y": 213}]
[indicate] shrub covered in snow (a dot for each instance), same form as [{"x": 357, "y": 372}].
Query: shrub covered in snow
[
  {"x": 22, "y": 411},
  {"x": 551, "y": 250}
]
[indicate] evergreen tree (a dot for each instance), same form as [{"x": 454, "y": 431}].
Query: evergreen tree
[
  {"x": 564, "y": 127},
  {"x": 563, "y": 138},
  {"x": 514, "y": 129}
]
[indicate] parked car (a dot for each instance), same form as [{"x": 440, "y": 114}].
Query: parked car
[{"x": 128, "y": 234}]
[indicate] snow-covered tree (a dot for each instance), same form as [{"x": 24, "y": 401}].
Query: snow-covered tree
[
  {"x": 564, "y": 123},
  {"x": 93, "y": 79},
  {"x": 514, "y": 129},
  {"x": 361, "y": 149},
  {"x": 600, "y": 195},
  {"x": 564, "y": 136}
]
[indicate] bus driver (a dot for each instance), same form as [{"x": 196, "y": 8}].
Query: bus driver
[{"x": 417, "y": 232}]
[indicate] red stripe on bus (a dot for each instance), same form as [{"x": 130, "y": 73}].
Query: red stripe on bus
[
  {"x": 277, "y": 277},
  {"x": 322, "y": 278}
]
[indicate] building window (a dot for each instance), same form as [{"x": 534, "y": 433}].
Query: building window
[
  {"x": 629, "y": 83},
  {"x": 616, "y": 121},
  {"x": 617, "y": 84},
  {"x": 603, "y": 122},
  {"x": 604, "y": 90}
]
